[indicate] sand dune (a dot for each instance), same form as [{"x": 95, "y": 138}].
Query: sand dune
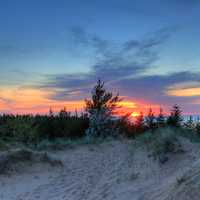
[{"x": 112, "y": 171}]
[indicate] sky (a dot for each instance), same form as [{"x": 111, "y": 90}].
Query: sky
[{"x": 53, "y": 51}]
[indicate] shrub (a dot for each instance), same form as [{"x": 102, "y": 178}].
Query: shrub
[
  {"x": 161, "y": 143},
  {"x": 23, "y": 130},
  {"x": 3, "y": 145}
]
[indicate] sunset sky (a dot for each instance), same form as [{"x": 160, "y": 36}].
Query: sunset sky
[{"x": 53, "y": 51}]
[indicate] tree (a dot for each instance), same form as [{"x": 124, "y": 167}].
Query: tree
[
  {"x": 160, "y": 119},
  {"x": 139, "y": 123},
  {"x": 150, "y": 119},
  {"x": 63, "y": 113},
  {"x": 51, "y": 114},
  {"x": 197, "y": 127},
  {"x": 175, "y": 119},
  {"x": 189, "y": 125},
  {"x": 101, "y": 108}
]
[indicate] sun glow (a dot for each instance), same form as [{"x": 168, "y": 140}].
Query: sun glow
[
  {"x": 135, "y": 114},
  {"x": 127, "y": 104}
]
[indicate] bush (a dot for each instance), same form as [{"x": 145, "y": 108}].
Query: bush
[
  {"x": 161, "y": 143},
  {"x": 3, "y": 145},
  {"x": 23, "y": 130}
]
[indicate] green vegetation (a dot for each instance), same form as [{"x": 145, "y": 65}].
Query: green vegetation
[
  {"x": 32, "y": 130},
  {"x": 162, "y": 142}
]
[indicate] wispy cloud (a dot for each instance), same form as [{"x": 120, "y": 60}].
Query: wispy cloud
[{"x": 116, "y": 64}]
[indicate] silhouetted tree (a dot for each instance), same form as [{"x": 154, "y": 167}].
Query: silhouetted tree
[
  {"x": 197, "y": 128},
  {"x": 160, "y": 119},
  {"x": 189, "y": 125},
  {"x": 175, "y": 117},
  {"x": 126, "y": 127},
  {"x": 101, "y": 108},
  {"x": 63, "y": 113},
  {"x": 139, "y": 123},
  {"x": 150, "y": 119},
  {"x": 51, "y": 114},
  {"x": 102, "y": 100}
]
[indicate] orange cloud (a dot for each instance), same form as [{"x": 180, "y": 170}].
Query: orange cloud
[
  {"x": 185, "y": 89},
  {"x": 29, "y": 100},
  {"x": 186, "y": 92}
]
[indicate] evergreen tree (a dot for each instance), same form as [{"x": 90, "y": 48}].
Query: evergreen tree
[
  {"x": 51, "y": 114},
  {"x": 63, "y": 113},
  {"x": 189, "y": 125},
  {"x": 150, "y": 120},
  {"x": 175, "y": 119},
  {"x": 197, "y": 128},
  {"x": 139, "y": 123},
  {"x": 101, "y": 108},
  {"x": 161, "y": 119}
]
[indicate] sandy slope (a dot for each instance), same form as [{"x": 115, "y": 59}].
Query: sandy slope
[{"x": 110, "y": 171}]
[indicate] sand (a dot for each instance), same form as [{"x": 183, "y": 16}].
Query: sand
[{"x": 115, "y": 170}]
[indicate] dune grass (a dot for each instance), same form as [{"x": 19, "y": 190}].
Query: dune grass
[{"x": 161, "y": 143}]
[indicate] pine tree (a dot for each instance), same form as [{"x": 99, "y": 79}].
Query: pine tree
[
  {"x": 150, "y": 119},
  {"x": 63, "y": 113},
  {"x": 51, "y": 113},
  {"x": 101, "y": 109},
  {"x": 139, "y": 123},
  {"x": 175, "y": 119},
  {"x": 189, "y": 125},
  {"x": 160, "y": 119},
  {"x": 197, "y": 128}
]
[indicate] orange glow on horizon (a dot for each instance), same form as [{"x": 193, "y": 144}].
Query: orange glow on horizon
[
  {"x": 134, "y": 108},
  {"x": 35, "y": 101},
  {"x": 135, "y": 114},
  {"x": 127, "y": 104}
]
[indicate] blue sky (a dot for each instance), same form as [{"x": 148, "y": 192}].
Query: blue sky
[{"x": 64, "y": 46}]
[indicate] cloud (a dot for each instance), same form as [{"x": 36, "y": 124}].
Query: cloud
[
  {"x": 114, "y": 62},
  {"x": 153, "y": 88},
  {"x": 122, "y": 68},
  {"x": 82, "y": 39},
  {"x": 184, "y": 89},
  {"x": 157, "y": 38}
]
